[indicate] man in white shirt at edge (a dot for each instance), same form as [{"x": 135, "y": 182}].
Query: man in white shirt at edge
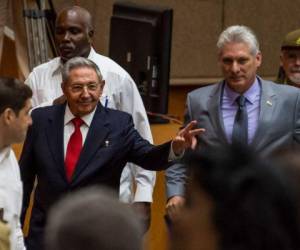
[
  {"x": 73, "y": 36},
  {"x": 15, "y": 105}
]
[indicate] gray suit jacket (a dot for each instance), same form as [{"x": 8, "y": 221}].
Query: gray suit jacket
[{"x": 278, "y": 124}]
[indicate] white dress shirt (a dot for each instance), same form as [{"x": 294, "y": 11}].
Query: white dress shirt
[
  {"x": 69, "y": 126},
  {"x": 120, "y": 92},
  {"x": 11, "y": 192}
]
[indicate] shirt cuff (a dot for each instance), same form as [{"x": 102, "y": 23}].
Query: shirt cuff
[
  {"x": 143, "y": 193},
  {"x": 173, "y": 156},
  {"x": 175, "y": 189}
]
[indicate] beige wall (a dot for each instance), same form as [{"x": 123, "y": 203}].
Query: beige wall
[{"x": 197, "y": 24}]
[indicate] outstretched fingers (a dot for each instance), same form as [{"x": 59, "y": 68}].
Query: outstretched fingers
[{"x": 187, "y": 128}]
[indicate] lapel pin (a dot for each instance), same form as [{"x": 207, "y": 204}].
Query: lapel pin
[
  {"x": 106, "y": 143},
  {"x": 269, "y": 103}
]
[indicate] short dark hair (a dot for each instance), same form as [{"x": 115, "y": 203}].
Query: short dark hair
[
  {"x": 255, "y": 205},
  {"x": 92, "y": 218},
  {"x": 13, "y": 94}
]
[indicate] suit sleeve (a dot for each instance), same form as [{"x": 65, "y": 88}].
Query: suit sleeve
[
  {"x": 143, "y": 153},
  {"x": 297, "y": 121},
  {"x": 131, "y": 102},
  {"x": 176, "y": 174},
  {"x": 27, "y": 170}
]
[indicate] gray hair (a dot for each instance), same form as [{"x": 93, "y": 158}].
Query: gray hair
[
  {"x": 93, "y": 218},
  {"x": 239, "y": 34},
  {"x": 79, "y": 62}
]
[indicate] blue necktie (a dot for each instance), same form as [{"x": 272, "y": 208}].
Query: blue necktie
[{"x": 240, "y": 126}]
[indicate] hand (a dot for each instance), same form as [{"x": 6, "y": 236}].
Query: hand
[
  {"x": 186, "y": 138},
  {"x": 60, "y": 100},
  {"x": 174, "y": 206},
  {"x": 143, "y": 209}
]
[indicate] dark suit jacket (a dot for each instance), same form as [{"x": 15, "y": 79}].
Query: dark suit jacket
[
  {"x": 110, "y": 143},
  {"x": 278, "y": 123}
]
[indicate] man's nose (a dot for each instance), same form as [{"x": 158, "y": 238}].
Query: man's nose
[
  {"x": 235, "y": 67},
  {"x": 297, "y": 62},
  {"x": 85, "y": 91},
  {"x": 29, "y": 121},
  {"x": 66, "y": 36}
]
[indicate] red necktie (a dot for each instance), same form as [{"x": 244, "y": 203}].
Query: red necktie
[{"x": 73, "y": 149}]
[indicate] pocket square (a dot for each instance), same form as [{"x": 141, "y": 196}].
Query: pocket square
[{"x": 106, "y": 143}]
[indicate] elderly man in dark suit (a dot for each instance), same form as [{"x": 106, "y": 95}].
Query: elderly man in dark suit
[
  {"x": 82, "y": 143},
  {"x": 243, "y": 108}
]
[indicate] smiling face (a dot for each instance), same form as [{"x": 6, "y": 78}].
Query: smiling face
[
  {"x": 290, "y": 61},
  {"x": 82, "y": 90},
  {"x": 239, "y": 66},
  {"x": 73, "y": 33}
]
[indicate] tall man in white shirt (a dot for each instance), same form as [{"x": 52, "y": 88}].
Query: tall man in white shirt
[
  {"x": 15, "y": 105},
  {"x": 73, "y": 33}
]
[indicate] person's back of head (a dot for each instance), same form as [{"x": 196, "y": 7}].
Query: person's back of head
[
  {"x": 253, "y": 204},
  {"x": 13, "y": 94},
  {"x": 92, "y": 219}
]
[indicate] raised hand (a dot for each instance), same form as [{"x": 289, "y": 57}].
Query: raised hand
[{"x": 186, "y": 138}]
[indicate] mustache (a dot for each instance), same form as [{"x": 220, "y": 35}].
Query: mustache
[{"x": 66, "y": 46}]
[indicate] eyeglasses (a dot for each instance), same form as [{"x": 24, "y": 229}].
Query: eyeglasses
[{"x": 78, "y": 88}]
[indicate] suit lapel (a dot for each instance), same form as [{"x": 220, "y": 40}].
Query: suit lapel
[
  {"x": 55, "y": 137},
  {"x": 268, "y": 104},
  {"x": 97, "y": 133},
  {"x": 214, "y": 108}
]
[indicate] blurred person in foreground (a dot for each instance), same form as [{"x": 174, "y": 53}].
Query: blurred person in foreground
[
  {"x": 93, "y": 219},
  {"x": 236, "y": 200}
]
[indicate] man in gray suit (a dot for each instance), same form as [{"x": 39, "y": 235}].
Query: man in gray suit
[{"x": 267, "y": 119}]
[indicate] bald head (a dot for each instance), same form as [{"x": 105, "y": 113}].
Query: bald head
[
  {"x": 80, "y": 12},
  {"x": 73, "y": 32}
]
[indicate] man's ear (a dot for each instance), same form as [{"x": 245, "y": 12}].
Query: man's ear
[
  {"x": 102, "y": 83},
  {"x": 63, "y": 85},
  {"x": 8, "y": 116},
  {"x": 91, "y": 35},
  {"x": 281, "y": 58}
]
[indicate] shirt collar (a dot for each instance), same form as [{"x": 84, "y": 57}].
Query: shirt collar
[
  {"x": 92, "y": 54},
  {"x": 58, "y": 68},
  {"x": 4, "y": 153},
  {"x": 86, "y": 118},
  {"x": 250, "y": 94}
]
